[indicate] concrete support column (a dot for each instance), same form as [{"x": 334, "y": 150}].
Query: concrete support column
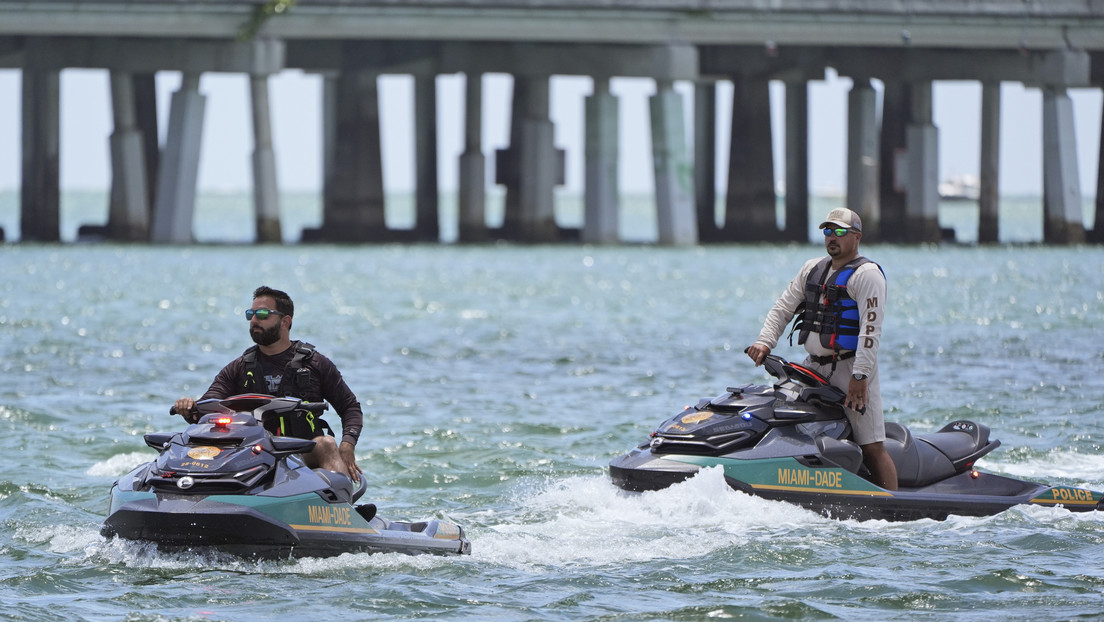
[
  {"x": 427, "y": 223},
  {"x": 145, "y": 114},
  {"x": 473, "y": 165},
  {"x": 989, "y": 197},
  {"x": 40, "y": 192},
  {"x": 797, "y": 162},
  {"x": 329, "y": 146},
  {"x": 750, "y": 202},
  {"x": 705, "y": 160},
  {"x": 602, "y": 196},
  {"x": 893, "y": 168},
  {"x": 353, "y": 207},
  {"x": 1097, "y": 233},
  {"x": 266, "y": 194},
  {"x": 1063, "y": 222},
  {"x": 129, "y": 211},
  {"x": 536, "y": 170},
  {"x": 922, "y": 142},
  {"x": 862, "y": 157},
  {"x": 176, "y": 184},
  {"x": 674, "y": 183}
]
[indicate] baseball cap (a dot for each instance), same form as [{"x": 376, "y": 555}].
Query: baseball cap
[{"x": 843, "y": 217}]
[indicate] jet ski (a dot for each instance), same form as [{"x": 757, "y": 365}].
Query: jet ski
[
  {"x": 226, "y": 483},
  {"x": 790, "y": 442}
]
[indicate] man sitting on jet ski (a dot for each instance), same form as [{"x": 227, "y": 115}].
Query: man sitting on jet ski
[
  {"x": 838, "y": 301},
  {"x": 278, "y": 366}
]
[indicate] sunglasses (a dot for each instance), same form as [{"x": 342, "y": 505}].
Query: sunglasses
[
  {"x": 839, "y": 233},
  {"x": 262, "y": 314}
]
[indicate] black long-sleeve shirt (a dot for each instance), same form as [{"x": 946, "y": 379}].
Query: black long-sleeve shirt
[{"x": 325, "y": 380}]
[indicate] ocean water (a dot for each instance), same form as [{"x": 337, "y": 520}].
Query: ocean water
[{"x": 498, "y": 381}]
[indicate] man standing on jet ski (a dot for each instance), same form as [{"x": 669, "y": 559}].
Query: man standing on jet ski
[
  {"x": 839, "y": 301},
  {"x": 276, "y": 365}
]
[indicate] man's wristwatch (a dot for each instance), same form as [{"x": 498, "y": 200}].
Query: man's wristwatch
[{"x": 859, "y": 377}]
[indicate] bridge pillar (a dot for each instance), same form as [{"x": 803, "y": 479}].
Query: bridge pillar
[
  {"x": 1063, "y": 222},
  {"x": 40, "y": 192},
  {"x": 922, "y": 143},
  {"x": 176, "y": 184},
  {"x": 601, "y": 197},
  {"x": 797, "y": 161},
  {"x": 266, "y": 194},
  {"x": 674, "y": 183},
  {"x": 129, "y": 211},
  {"x": 892, "y": 170},
  {"x": 705, "y": 160},
  {"x": 427, "y": 223},
  {"x": 531, "y": 167},
  {"x": 473, "y": 165},
  {"x": 989, "y": 195},
  {"x": 145, "y": 111},
  {"x": 862, "y": 156},
  {"x": 1097, "y": 234},
  {"x": 353, "y": 200},
  {"x": 750, "y": 202}
]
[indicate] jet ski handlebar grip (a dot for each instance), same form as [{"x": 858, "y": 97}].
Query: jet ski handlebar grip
[{"x": 314, "y": 407}]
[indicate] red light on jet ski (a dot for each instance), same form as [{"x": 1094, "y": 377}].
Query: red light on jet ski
[
  {"x": 974, "y": 474},
  {"x": 257, "y": 449},
  {"x": 222, "y": 422}
]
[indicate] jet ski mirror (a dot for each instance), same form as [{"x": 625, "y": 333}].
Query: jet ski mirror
[
  {"x": 158, "y": 440},
  {"x": 286, "y": 445}
]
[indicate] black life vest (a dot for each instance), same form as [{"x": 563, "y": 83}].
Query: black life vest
[
  {"x": 828, "y": 308},
  {"x": 295, "y": 381}
]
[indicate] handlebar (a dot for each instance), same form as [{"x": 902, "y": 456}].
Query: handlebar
[{"x": 251, "y": 402}]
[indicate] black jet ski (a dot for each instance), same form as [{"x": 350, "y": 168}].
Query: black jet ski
[
  {"x": 790, "y": 442},
  {"x": 228, "y": 484}
]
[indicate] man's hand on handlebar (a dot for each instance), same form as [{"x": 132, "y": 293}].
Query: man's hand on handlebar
[
  {"x": 185, "y": 407},
  {"x": 757, "y": 352}
]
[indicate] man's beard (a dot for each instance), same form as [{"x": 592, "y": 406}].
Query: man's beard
[{"x": 265, "y": 336}]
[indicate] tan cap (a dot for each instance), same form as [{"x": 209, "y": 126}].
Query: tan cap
[{"x": 843, "y": 217}]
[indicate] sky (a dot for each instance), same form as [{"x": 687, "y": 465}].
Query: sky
[{"x": 295, "y": 98}]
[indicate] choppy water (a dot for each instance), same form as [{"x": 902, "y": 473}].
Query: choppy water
[{"x": 498, "y": 382}]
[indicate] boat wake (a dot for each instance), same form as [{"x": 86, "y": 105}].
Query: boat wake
[{"x": 587, "y": 521}]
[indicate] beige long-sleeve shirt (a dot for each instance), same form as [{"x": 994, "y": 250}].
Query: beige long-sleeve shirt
[{"x": 867, "y": 286}]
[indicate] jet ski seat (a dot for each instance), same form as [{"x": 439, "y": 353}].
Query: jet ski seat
[
  {"x": 899, "y": 433},
  {"x": 919, "y": 462},
  {"x": 962, "y": 442}
]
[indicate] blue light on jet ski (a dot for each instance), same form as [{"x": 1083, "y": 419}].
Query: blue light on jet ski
[{"x": 747, "y": 416}]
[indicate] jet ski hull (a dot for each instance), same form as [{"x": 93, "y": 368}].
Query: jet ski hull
[
  {"x": 791, "y": 442},
  {"x": 839, "y": 493},
  {"x": 226, "y": 483},
  {"x": 271, "y": 527}
]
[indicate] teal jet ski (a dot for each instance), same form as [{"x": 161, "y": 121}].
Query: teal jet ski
[
  {"x": 226, "y": 483},
  {"x": 790, "y": 442}
]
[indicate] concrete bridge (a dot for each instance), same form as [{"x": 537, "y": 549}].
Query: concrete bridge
[{"x": 892, "y": 157}]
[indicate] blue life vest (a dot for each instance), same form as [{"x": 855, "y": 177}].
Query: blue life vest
[{"x": 829, "y": 309}]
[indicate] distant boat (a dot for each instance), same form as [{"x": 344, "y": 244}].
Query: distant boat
[{"x": 960, "y": 188}]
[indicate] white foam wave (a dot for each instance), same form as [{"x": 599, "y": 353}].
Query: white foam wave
[
  {"x": 1060, "y": 464},
  {"x": 59, "y": 538},
  {"x": 118, "y": 465},
  {"x": 587, "y": 521}
]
